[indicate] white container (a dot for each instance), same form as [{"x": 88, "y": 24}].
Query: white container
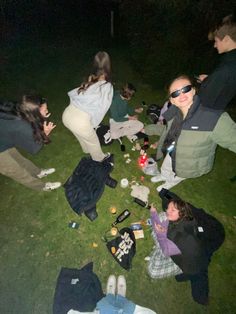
[{"x": 124, "y": 183}]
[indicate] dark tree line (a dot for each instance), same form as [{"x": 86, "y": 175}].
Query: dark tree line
[
  {"x": 165, "y": 37},
  {"x": 168, "y": 37}
]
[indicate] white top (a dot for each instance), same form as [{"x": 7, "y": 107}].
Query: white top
[{"x": 96, "y": 100}]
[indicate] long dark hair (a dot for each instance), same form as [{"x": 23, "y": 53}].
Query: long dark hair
[
  {"x": 28, "y": 109},
  {"x": 101, "y": 66}
]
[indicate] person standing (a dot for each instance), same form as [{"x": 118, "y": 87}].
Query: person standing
[
  {"x": 23, "y": 125},
  {"x": 218, "y": 88},
  {"x": 88, "y": 105}
]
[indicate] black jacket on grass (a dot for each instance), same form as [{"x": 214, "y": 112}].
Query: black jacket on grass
[
  {"x": 86, "y": 185},
  {"x": 77, "y": 289}
]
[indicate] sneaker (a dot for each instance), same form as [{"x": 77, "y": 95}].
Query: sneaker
[
  {"x": 111, "y": 285},
  {"x": 121, "y": 286},
  {"x": 132, "y": 138},
  {"x": 49, "y": 186},
  {"x": 157, "y": 178},
  {"x": 45, "y": 172},
  {"x": 108, "y": 158}
]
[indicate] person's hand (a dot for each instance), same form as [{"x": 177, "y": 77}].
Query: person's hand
[
  {"x": 154, "y": 145},
  {"x": 159, "y": 228},
  {"x": 152, "y": 209},
  {"x": 139, "y": 110},
  {"x": 202, "y": 77},
  {"x": 135, "y": 117},
  {"x": 48, "y": 127}
]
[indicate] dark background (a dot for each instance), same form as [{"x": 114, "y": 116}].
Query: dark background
[{"x": 163, "y": 37}]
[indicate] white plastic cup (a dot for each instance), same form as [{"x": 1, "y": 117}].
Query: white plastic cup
[{"x": 124, "y": 183}]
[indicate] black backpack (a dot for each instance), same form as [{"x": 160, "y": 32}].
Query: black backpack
[{"x": 153, "y": 113}]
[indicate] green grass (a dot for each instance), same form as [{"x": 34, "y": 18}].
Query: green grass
[{"x": 35, "y": 239}]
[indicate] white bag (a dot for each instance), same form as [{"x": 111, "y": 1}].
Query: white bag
[{"x": 150, "y": 167}]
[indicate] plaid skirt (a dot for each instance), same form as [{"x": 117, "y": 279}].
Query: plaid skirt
[{"x": 161, "y": 266}]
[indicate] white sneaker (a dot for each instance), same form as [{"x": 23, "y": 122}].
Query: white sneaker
[
  {"x": 157, "y": 178},
  {"x": 111, "y": 284},
  {"x": 132, "y": 138},
  {"x": 147, "y": 258},
  {"x": 45, "y": 172},
  {"x": 49, "y": 186},
  {"x": 121, "y": 286}
]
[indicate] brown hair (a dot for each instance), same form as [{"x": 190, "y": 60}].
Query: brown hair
[
  {"x": 29, "y": 110},
  {"x": 185, "y": 212},
  {"x": 101, "y": 66},
  {"x": 180, "y": 77},
  {"x": 226, "y": 27},
  {"x": 128, "y": 90}
]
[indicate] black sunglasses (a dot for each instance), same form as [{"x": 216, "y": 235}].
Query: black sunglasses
[{"x": 184, "y": 90}]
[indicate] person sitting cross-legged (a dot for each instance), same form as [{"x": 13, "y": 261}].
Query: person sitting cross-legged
[{"x": 123, "y": 120}]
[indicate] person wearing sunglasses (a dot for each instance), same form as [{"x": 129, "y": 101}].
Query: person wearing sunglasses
[{"x": 191, "y": 135}]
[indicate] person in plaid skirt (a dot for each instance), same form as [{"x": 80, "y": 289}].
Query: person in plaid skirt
[
  {"x": 183, "y": 247},
  {"x": 160, "y": 264}
]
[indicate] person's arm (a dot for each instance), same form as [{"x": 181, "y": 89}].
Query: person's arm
[
  {"x": 201, "y": 77},
  {"x": 22, "y": 137},
  {"x": 224, "y": 133},
  {"x": 216, "y": 90},
  {"x": 160, "y": 229},
  {"x": 130, "y": 110},
  {"x": 106, "y": 96}
]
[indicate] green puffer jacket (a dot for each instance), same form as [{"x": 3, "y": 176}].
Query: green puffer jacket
[{"x": 201, "y": 131}]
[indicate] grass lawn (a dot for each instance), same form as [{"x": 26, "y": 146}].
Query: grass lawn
[{"x": 35, "y": 239}]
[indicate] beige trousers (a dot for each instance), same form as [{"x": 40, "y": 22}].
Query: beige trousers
[
  {"x": 20, "y": 169},
  {"x": 168, "y": 174},
  {"x": 126, "y": 128},
  {"x": 79, "y": 123}
]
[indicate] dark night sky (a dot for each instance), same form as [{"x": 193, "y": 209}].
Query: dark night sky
[{"x": 55, "y": 19}]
